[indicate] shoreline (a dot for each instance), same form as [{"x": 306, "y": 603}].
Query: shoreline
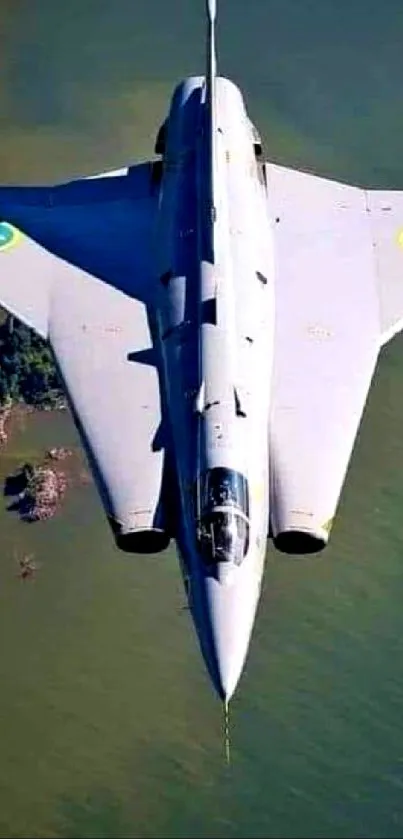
[
  {"x": 37, "y": 487},
  {"x": 11, "y": 412}
]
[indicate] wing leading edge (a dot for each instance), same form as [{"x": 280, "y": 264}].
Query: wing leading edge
[{"x": 76, "y": 265}]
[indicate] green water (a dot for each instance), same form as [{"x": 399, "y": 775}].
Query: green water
[{"x": 108, "y": 724}]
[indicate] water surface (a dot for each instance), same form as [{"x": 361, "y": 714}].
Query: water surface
[{"x": 108, "y": 725}]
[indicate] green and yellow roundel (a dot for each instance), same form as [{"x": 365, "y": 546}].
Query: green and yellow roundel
[{"x": 9, "y": 236}]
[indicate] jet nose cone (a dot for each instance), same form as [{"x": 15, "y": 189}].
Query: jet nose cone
[{"x": 231, "y": 606}]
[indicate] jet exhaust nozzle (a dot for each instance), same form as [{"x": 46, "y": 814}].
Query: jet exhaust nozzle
[
  {"x": 300, "y": 541},
  {"x": 144, "y": 540}
]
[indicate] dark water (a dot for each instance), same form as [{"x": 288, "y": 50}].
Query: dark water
[{"x": 108, "y": 725}]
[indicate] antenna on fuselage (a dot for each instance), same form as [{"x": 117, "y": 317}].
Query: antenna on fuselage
[
  {"x": 211, "y": 72},
  {"x": 211, "y": 69},
  {"x": 227, "y": 740}
]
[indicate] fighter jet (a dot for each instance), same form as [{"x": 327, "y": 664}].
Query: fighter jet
[{"x": 216, "y": 320}]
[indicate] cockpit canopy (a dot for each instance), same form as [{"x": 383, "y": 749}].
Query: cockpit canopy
[{"x": 222, "y": 513}]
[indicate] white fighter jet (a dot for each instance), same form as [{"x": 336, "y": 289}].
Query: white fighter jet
[{"x": 216, "y": 321}]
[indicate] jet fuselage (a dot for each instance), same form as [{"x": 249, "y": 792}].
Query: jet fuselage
[{"x": 215, "y": 305}]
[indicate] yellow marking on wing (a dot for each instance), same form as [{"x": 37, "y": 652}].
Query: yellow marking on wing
[
  {"x": 9, "y": 236},
  {"x": 399, "y": 237},
  {"x": 327, "y": 526}
]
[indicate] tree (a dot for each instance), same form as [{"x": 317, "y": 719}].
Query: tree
[{"x": 27, "y": 369}]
